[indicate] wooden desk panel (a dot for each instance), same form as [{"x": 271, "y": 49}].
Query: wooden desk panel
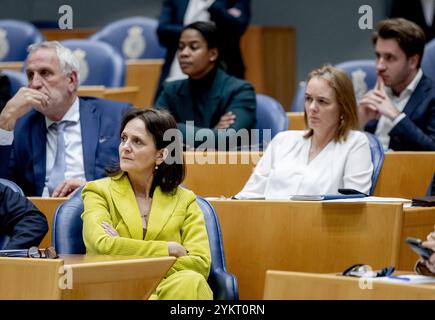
[
  {"x": 11, "y": 65},
  {"x": 308, "y": 286},
  {"x": 405, "y": 174},
  {"x": 145, "y": 75},
  {"x": 98, "y": 277},
  {"x": 48, "y": 207},
  {"x": 296, "y": 121},
  {"x": 311, "y": 237}
]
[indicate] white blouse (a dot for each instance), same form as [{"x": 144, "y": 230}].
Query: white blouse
[{"x": 284, "y": 169}]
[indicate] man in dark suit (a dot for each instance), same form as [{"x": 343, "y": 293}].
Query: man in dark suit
[
  {"x": 400, "y": 110},
  {"x": 419, "y": 11},
  {"x": 231, "y": 17},
  {"x": 30, "y": 122},
  {"x": 20, "y": 221}
]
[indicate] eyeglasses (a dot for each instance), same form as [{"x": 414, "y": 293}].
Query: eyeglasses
[
  {"x": 363, "y": 270},
  {"x": 32, "y": 252}
]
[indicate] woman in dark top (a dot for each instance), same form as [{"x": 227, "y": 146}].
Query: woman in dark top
[{"x": 209, "y": 98}]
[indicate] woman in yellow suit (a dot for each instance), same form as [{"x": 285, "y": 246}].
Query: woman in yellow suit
[{"x": 140, "y": 210}]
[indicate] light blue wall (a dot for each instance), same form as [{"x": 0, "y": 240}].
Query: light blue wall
[{"x": 326, "y": 30}]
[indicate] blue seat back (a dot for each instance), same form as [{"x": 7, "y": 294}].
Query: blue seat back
[
  {"x": 4, "y": 238},
  {"x": 100, "y": 63},
  {"x": 270, "y": 115},
  {"x": 377, "y": 154},
  {"x": 133, "y": 37},
  {"x": 361, "y": 72},
  {"x": 17, "y": 80},
  {"x": 15, "y": 37},
  {"x": 428, "y": 61},
  {"x": 68, "y": 239}
]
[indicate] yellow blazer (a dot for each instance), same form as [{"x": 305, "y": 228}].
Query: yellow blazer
[{"x": 174, "y": 217}]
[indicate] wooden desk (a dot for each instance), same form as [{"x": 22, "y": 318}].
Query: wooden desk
[
  {"x": 296, "y": 121},
  {"x": 315, "y": 237},
  {"x": 403, "y": 174},
  {"x": 144, "y": 74},
  {"x": 124, "y": 94},
  {"x": 81, "y": 277},
  {"x": 48, "y": 207},
  {"x": 11, "y": 65},
  {"x": 308, "y": 286}
]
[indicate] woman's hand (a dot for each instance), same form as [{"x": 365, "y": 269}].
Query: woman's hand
[
  {"x": 430, "y": 264},
  {"x": 109, "y": 229},
  {"x": 176, "y": 250}
]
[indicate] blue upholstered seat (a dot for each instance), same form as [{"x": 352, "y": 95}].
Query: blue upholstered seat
[
  {"x": 428, "y": 61},
  {"x": 68, "y": 239},
  {"x": 100, "y": 63},
  {"x": 133, "y": 37},
  {"x": 361, "y": 72},
  {"x": 377, "y": 153},
  {"x": 17, "y": 80},
  {"x": 15, "y": 37},
  {"x": 270, "y": 115}
]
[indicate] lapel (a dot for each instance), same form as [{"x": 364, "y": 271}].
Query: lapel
[
  {"x": 125, "y": 201},
  {"x": 39, "y": 142},
  {"x": 90, "y": 126},
  {"x": 162, "y": 208},
  {"x": 420, "y": 93}
]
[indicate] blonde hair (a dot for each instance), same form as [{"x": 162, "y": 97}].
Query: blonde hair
[{"x": 345, "y": 96}]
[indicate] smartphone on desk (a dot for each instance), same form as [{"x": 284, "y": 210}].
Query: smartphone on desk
[{"x": 416, "y": 245}]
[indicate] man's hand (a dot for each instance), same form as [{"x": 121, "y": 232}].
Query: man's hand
[
  {"x": 430, "y": 264},
  {"x": 67, "y": 187},
  {"x": 20, "y": 104},
  {"x": 226, "y": 121},
  {"x": 176, "y": 250}
]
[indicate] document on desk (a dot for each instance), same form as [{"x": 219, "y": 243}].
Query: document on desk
[
  {"x": 406, "y": 278},
  {"x": 371, "y": 199}
]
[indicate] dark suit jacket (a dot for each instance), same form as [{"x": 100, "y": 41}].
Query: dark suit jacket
[
  {"x": 230, "y": 31},
  {"x": 5, "y": 91},
  {"x": 20, "y": 220},
  {"x": 226, "y": 94},
  {"x": 412, "y": 10},
  {"x": 415, "y": 132},
  {"x": 26, "y": 159}
]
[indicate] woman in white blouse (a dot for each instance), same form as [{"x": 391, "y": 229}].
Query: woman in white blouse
[{"x": 329, "y": 156}]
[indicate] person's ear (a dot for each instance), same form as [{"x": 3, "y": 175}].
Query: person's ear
[
  {"x": 162, "y": 154},
  {"x": 413, "y": 60},
  {"x": 72, "y": 80},
  {"x": 213, "y": 54}
]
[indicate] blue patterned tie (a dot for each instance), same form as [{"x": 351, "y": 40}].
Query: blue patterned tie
[{"x": 57, "y": 174}]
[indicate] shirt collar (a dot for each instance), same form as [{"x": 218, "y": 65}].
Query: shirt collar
[
  {"x": 410, "y": 88},
  {"x": 73, "y": 114}
]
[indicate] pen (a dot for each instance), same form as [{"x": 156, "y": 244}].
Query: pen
[{"x": 399, "y": 278}]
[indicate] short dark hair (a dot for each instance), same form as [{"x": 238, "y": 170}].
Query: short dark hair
[
  {"x": 208, "y": 30},
  {"x": 409, "y": 36},
  {"x": 168, "y": 176}
]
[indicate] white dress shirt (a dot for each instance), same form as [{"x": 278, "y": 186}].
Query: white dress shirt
[
  {"x": 385, "y": 125},
  {"x": 284, "y": 169},
  {"x": 197, "y": 10},
  {"x": 73, "y": 147},
  {"x": 428, "y": 11}
]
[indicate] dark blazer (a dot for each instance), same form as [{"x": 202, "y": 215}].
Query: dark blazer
[
  {"x": 20, "y": 220},
  {"x": 5, "y": 90},
  {"x": 230, "y": 31},
  {"x": 25, "y": 161},
  {"x": 415, "y": 132},
  {"x": 413, "y": 11},
  {"x": 226, "y": 94}
]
